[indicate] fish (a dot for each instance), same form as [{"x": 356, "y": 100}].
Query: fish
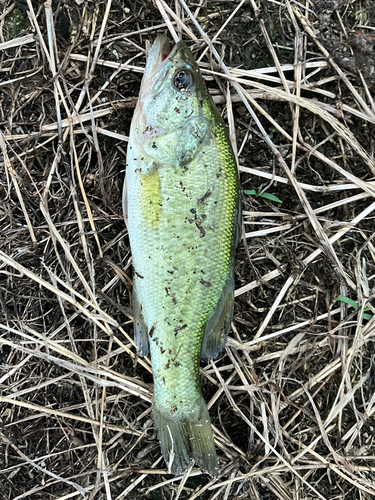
[{"x": 181, "y": 203}]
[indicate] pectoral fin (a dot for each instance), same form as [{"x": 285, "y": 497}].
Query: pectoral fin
[
  {"x": 218, "y": 325},
  {"x": 140, "y": 327},
  {"x": 125, "y": 201}
]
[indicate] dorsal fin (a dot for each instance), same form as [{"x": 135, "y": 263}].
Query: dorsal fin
[{"x": 218, "y": 325}]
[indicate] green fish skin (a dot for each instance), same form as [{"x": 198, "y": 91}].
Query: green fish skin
[{"x": 181, "y": 204}]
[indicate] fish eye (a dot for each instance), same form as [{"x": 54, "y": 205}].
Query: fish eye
[{"x": 183, "y": 79}]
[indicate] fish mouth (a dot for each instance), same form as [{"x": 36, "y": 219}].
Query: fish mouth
[
  {"x": 160, "y": 49},
  {"x": 165, "y": 48},
  {"x": 159, "y": 53},
  {"x": 159, "y": 56},
  {"x": 155, "y": 73}
]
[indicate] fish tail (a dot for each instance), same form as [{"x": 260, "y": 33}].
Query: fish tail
[{"x": 186, "y": 436}]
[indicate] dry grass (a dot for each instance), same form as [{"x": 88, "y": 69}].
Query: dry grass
[{"x": 292, "y": 397}]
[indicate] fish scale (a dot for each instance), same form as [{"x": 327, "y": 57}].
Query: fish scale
[{"x": 181, "y": 201}]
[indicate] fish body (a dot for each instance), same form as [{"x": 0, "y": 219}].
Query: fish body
[{"x": 181, "y": 205}]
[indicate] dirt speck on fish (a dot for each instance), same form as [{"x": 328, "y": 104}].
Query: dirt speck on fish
[{"x": 182, "y": 209}]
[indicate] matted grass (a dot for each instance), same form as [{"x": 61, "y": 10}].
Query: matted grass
[{"x": 292, "y": 397}]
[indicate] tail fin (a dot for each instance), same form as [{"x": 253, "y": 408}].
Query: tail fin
[{"x": 186, "y": 435}]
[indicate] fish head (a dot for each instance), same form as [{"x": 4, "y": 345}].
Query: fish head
[{"x": 171, "y": 120}]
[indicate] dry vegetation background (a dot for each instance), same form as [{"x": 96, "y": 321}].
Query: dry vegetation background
[{"x": 292, "y": 398}]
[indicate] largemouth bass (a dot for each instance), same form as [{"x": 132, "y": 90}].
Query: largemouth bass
[{"x": 181, "y": 204}]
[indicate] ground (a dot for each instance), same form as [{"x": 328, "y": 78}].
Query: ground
[{"x": 292, "y": 397}]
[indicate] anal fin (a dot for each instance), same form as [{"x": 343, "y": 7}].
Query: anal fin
[
  {"x": 219, "y": 323},
  {"x": 140, "y": 327}
]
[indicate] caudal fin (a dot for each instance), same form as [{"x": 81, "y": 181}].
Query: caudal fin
[{"x": 186, "y": 435}]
